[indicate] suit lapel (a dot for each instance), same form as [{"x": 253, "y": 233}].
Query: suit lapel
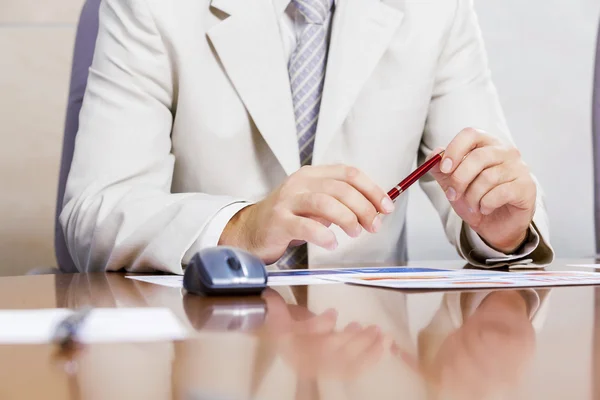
[
  {"x": 362, "y": 30},
  {"x": 248, "y": 43}
]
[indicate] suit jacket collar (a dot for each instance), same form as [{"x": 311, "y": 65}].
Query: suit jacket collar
[
  {"x": 248, "y": 43},
  {"x": 362, "y": 31}
]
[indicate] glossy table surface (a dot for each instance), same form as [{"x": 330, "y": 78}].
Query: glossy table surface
[{"x": 318, "y": 342}]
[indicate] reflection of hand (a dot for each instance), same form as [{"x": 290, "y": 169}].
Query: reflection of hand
[
  {"x": 310, "y": 344},
  {"x": 488, "y": 352}
]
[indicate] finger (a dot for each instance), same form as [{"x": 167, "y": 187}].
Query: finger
[
  {"x": 504, "y": 194},
  {"x": 321, "y": 324},
  {"x": 371, "y": 355},
  {"x": 435, "y": 151},
  {"x": 310, "y": 231},
  {"x": 353, "y": 327},
  {"x": 463, "y": 143},
  {"x": 360, "y": 342},
  {"x": 353, "y": 199},
  {"x": 353, "y": 176},
  {"x": 295, "y": 243},
  {"x": 321, "y": 205},
  {"x": 469, "y": 169},
  {"x": 368, "y": 357},
  {"x": 487, "y": 180},
  {"x": 277, "y": 309}
]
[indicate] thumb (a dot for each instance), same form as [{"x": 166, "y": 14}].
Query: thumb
[{"x": 438, "y": 175}]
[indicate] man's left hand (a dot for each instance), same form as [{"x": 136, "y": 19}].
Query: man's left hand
[{"x": 489, "y": 187}]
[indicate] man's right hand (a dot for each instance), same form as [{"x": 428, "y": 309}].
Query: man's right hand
[{"x": 302, "y": 209}]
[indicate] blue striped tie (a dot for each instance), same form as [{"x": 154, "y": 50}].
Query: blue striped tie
[{"x": 307, "y": 77}]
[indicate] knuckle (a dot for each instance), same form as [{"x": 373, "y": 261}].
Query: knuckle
[
  {"x": 349, "y": 219},
  {"x": 478, "y": 156},
  {"x": 290, "y": 183},
  {"x": 334, "y": 186},
  {"x": 283, "y": 193},
  {"x": 346, "y": 193},
  {"x": 459, "y": 180},
  {"x": 305, "y": 169},
  {"x": 351, "y": 173},
  {"x": 491, "y": 176},
  {"x": 279, "y": 211},
  {"x": 470, "y": 133},
  {"x": 494, "y": 140},
  {"x": 319, "y": 201},
  {"x": 303, "y": 228},
  {"x": 504, "y": 193},
  {"x": 367, "y": 211},
  {"x": 514, "y": 152}
]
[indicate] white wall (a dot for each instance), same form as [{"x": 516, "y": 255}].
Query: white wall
[
  {"x": 541, "y": 54},
  {"x": 36, "y": 46}
]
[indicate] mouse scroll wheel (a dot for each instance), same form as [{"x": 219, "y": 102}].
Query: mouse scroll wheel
[{"x": 233, "y": 263}]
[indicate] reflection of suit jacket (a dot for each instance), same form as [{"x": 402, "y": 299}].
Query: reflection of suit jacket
[{"x": 188, "y": 110}]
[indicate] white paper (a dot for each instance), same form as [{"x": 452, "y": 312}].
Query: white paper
[
  {"x": 591, "y": 266},
  {"x": 296, "y": 277},
  {"x": 176, "y": 281},
  {"x": 474, "y": 279},
  {"x": 101, "y": 325}
]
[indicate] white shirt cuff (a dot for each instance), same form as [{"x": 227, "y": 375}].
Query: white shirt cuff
[
  {"x": 482, "y": 251},
  {"x": 210, "y": 235}
]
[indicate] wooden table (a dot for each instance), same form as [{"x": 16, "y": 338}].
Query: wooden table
[{"x": 346, "y": 343}]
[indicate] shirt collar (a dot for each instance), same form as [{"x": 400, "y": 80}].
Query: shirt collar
[{"x": 281, "y": 5}]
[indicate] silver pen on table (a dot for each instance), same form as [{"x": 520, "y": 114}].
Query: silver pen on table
[{"x": 67, "y": 330}]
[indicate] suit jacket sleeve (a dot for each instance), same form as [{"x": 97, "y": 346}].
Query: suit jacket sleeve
[
  {"x": 464, "y": 96},
  {"x": 119, "y": 212}
]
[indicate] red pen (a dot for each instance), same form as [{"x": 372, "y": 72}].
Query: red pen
[{"x": 415, "y": 176}]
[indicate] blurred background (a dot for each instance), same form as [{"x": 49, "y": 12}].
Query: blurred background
[{"x": 541, "y": 54}]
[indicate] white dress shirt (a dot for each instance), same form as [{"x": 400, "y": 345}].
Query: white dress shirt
[{"x": 290, "y": 26}]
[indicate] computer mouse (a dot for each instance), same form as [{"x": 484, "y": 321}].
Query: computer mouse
[{"x": 225, "y": 270}]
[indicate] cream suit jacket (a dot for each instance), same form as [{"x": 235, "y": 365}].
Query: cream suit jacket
[{"x": 188, "y": 110}]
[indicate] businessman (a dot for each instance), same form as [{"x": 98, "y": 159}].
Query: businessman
[{"x": 277, "y": 126}]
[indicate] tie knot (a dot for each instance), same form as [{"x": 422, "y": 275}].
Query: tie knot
[{"x": 314, "y": 11}]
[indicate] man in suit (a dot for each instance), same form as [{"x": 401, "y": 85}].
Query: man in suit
[{"x": 274, "y": 125}]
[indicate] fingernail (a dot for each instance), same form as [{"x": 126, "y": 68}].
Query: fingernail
[
  {"x": 451, "y": 194},
  {"x": 446, "y": 165},
  {"x": 357, "y": 231},
  {"x": 387, "y": 204},
  {"x": 485, "y": 211},
  {"x": 331, "y": 313},
  {"x": 375, "y": 330},
  {"x": 333, "y": 246},
  {"x": 376, "y": 223}
]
